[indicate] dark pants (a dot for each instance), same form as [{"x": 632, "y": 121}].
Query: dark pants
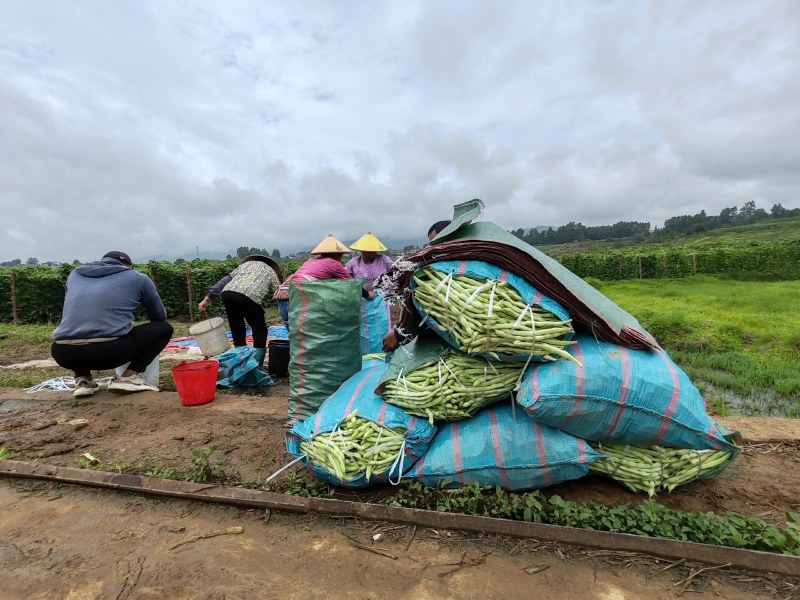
[
  {"x": 239, "y": 308},
  {"x": 139, "y": 347},
  {"x": 283, "y": 308}
]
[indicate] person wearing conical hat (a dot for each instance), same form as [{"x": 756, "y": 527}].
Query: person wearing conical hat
[
  {"x": 368, "y": 265},
  {"x": 327, "y": 264},
  {"x": 375, "y": 313}
]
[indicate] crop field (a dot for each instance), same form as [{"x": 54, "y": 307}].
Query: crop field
[{"x": 739, "y": 341}]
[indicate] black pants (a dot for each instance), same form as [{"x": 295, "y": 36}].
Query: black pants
[
  {"x": 139, "y": 347},
  {"x": 240, "y": 308}
]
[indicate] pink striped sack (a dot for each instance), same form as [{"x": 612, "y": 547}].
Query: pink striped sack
[
  {"x": 620, "y": 395},
  {"x": 499, "y": 446}
]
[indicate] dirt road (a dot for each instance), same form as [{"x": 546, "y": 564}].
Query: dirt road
[
  {"x": 68, "y": 542},
  {"x": 65, "y": 542}
]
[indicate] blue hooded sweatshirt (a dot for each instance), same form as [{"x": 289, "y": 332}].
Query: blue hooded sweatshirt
[{"x": 100, "y": 300}]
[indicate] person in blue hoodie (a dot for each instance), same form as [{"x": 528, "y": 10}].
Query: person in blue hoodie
[{"x": 96, "y": 331}]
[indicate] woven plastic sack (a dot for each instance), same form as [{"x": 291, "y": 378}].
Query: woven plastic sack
[
  {"x": 500, "y": 446},
  {"x": 620, "y": 395},
  {"x": 491, "y": 273},
  {"x": 356, "y": 394},
  {"x": 324, "y": 341},
  {"x": 374, "y": 324},
  {"x": 450, "y": 395},
  {"x": 238, "y": 368}
]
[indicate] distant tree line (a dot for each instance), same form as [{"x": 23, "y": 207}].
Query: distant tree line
[
  {"x": 576, "y": 232},
  {"x": 640, "y": 231},
  {"x": 243, "y": 251}
]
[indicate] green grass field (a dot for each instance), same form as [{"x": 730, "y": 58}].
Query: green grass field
[{"x": 738, "y": 341}]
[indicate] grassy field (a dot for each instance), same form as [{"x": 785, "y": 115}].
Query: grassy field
[
  {"x": 24, "y": 343},
  {"x": 738, "y": 341}
]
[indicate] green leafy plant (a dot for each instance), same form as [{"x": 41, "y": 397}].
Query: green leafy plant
[
  {"x": 161, "y": 472},
  {"x": 201, "y": 470},
  {"x": 87, "y": 463},
  {"x": 297, "y": 484},
  {"x": 648, "y": 518},
  {"x": 5, "y": 451}
]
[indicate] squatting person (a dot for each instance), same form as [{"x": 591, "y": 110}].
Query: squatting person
[{"x": 97, "y": 332}]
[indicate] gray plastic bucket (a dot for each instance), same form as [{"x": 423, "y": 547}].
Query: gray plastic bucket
[{"x": 211, "y": 336}]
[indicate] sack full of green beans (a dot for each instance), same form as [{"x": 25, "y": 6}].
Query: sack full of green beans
[
  {"x": 484, "y": 310},
  {"x": 655, "y": 468},
  {"x": 621, "y": 396},
  {"x": 499, "y": 446},
  {"x": 356, "y": 439},
  {"x": 430, "y": 379}
]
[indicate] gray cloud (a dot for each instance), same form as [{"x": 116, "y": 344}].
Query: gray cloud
[{"x": 158, "y": 127}]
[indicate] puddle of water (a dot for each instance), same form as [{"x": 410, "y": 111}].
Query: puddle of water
[{"x": 759, "y": 403}]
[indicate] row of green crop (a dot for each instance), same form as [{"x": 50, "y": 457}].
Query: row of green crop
[
  {"x": 778, "y": 260},
  {"x": 38, "y": 294},
  {"x": 39, "y": 291}
]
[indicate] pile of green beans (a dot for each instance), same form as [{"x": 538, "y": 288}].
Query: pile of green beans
[
  {"x": 655, "y": 468},
  {"x": 454, "y": 387},
  {"x": 461, "y": 305},
  {"x": 357, "y": 446}
]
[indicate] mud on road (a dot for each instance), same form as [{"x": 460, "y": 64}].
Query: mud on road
[{"x": 70, "y": 542}]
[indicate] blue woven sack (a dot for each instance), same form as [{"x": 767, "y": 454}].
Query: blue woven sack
[
  {"x": 356, "y": 394},
  {"x": 374, "y": 324},
  {"x": 502, "y": 447},
  {"x": 489, "y": 273},
  {"x": 620, "y": 395},
  {"x": 238, "y": 368}
]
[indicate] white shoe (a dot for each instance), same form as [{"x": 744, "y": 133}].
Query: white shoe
[
  {"x": 85, "y": 386},
  {"x": 129, "y": 385}
]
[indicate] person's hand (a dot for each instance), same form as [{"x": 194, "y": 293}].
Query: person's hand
[
  {"x": 203, "y": 303},
  {"x": 371, "y": 295},
  {"x": 390, "y": 342}
]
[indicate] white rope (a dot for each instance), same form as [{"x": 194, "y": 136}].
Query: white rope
[
  {"x": 282, "y": 469},
  {"x": 475, "y": 294},
  {"x": 401, "y": 458},
  {"x": 64, "y": 384}
]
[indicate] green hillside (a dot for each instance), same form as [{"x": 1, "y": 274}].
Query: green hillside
[{"x": 786, "y": 229}]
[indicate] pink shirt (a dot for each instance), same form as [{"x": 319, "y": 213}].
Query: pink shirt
[{"x": 320, "y": 267}]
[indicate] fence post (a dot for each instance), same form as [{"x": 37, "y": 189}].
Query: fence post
[
  {"x": 14, "y": 318},
  {"x": 694, "y": 263},
  {"x": 189, "y": 288},
  {"x": 640, "y": 266}
]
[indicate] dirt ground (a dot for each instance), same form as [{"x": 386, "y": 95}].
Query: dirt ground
[{"x": 70, "y": 542}]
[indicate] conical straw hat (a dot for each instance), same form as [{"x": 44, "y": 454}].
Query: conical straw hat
[
  {"x": 330, "y": 245},
  {"x": 368, "y": 243}
]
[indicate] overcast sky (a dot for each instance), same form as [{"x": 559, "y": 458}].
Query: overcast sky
[{"x": 159, "y": 126}]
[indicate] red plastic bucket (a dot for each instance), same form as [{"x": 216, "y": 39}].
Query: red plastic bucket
[{"x": 196, "y": 382}]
